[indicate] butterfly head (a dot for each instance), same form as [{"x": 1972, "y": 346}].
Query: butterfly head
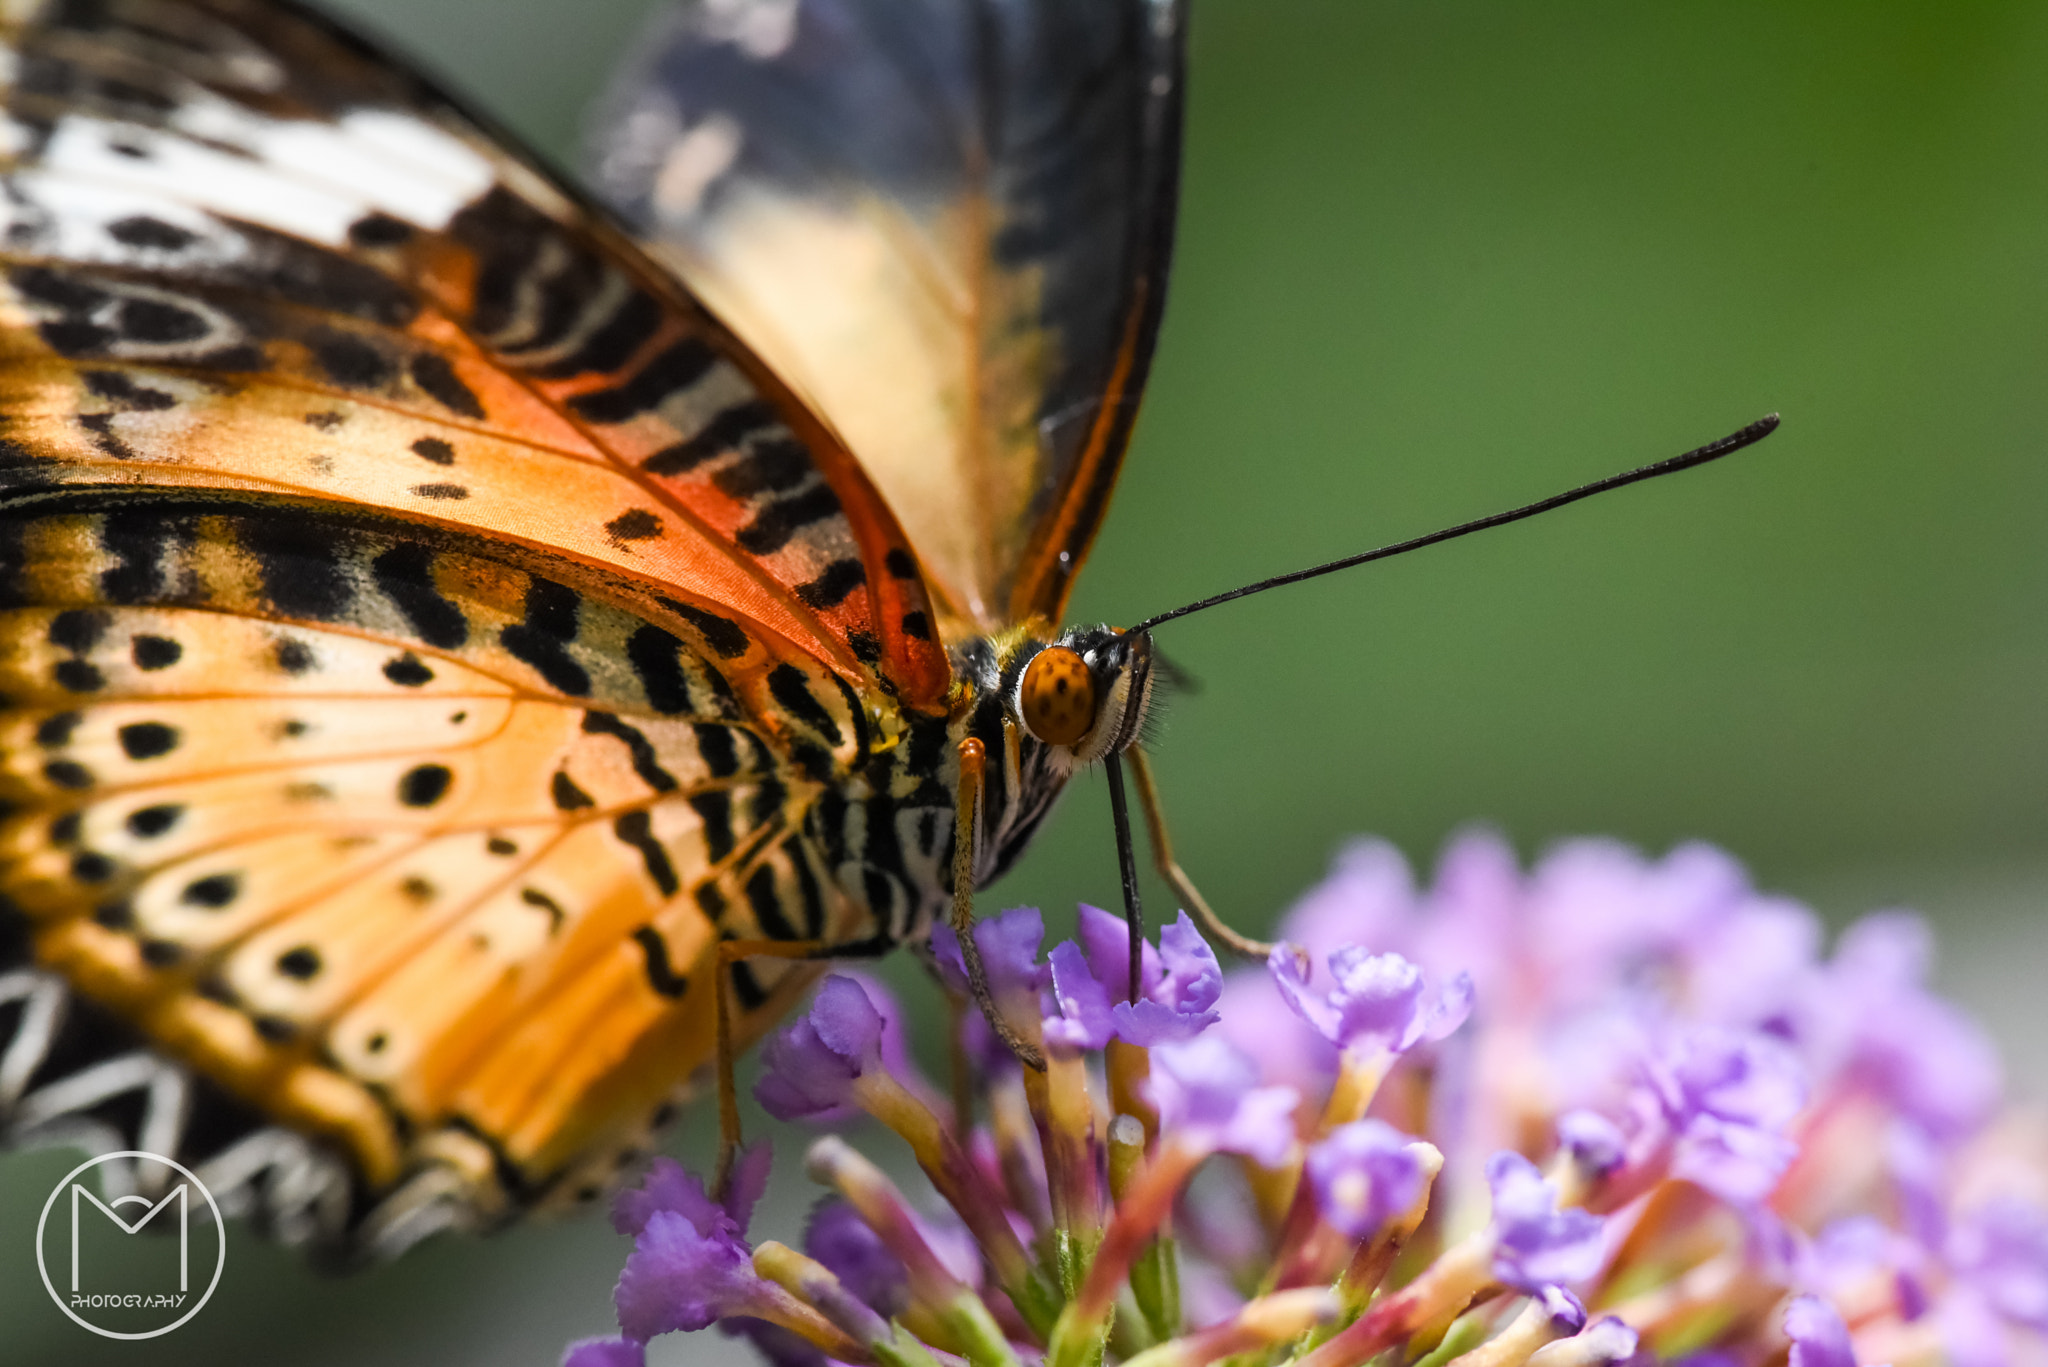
[{"x": 1088, "y": 691}]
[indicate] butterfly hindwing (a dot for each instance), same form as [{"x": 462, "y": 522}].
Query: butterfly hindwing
[
  {"x": 385, "y": 872},
  {"x": 949, "y": 224}
]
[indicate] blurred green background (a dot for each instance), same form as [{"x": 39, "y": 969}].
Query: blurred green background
[{"x": 1436, "y": 259}]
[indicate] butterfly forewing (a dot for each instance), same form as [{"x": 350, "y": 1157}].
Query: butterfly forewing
[{"x": 949, "y": 224}]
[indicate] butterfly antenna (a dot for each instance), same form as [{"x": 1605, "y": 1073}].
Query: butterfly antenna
[{"x": 1728, "y": 445}]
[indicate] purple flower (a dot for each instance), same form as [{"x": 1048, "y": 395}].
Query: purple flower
[
  {"x": 614, "y": 1352},
  {"x": 1106, "y": 939},
  {"x": 1905, "y": 1044},
  {"x": 1594, "y": 1142},
  {"x": 1364, "y": 1175},
  {"x": 810, "y": 1068},
  {"x": 1819, "y": 1338},
  {"x": 690, "y": 1264},
  {"x": 1209, "y": 1098},
  {"x": 1535, "y": 1243},
  {"x": 1009, "y": 950},
  {"x": 2001, "y": 1250},
  {"x": 1378, "y": 1003},
  {"x": 1079, "y": 1016},
  {"x": 1087, "y": 1002},
  {"x": 1567, "y": 1312},
  {"x": 1609, "y": 1339},
  {"x": 1178, "y": 1005},
  {"x": 837, "y": 1237},
  {"x": 680, "y": 1276},
  {"x": 668, "y": 1186},
  {"x": 1728, "y": 1096}
]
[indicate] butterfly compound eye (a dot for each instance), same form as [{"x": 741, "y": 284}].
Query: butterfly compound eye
[{"x": 1057, "y": 697}]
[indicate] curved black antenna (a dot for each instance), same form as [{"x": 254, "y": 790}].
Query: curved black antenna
[{"x": 1755, "y": 432}]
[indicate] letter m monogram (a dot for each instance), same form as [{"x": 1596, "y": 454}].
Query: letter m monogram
[{"x": 176, "y": 1193}]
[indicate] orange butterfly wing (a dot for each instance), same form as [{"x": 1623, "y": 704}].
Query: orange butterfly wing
[{"x": 423, "y": 630}]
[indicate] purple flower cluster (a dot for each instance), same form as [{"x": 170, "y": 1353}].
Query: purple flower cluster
[{"x": 1438, "y": 1122}]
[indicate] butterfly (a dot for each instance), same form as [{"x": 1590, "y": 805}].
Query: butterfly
[{"x": 433, "y": 624}]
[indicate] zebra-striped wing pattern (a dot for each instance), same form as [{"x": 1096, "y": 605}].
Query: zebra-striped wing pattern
[
  {"x": 423, "y": 632},
  {"x": 950, "y": 224}
]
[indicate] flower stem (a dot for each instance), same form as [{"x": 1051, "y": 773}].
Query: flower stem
[
  {"x": 1425, "y": 1305},
  {"x": 1263, "y": 1323},
  {"x": 967, "y": 1189},
  {"x": 1145, "y": 1207}
]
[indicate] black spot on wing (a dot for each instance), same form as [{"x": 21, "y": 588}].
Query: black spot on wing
[
  {"x": 441, "y": 491},
  {"x": 121, "y": 390},
  {"x": 147, "y": 739},
  {"x": 808, "y": 893},
  {"x": 64, "y": 773},
  {"x": 900, "y": 563},
  {"x": 567, "y": 796},
  {"x": 435, "y": 450},
  {"x": 295, "y": 656},
  {"x": 673, "y": 369},
  {"x": 637, "y": 829},
  {"x": 54, "y": 732},
  {"x": 534, "y": 897},
  {"x": 774, "y": 525},
  {"x": 831, "y": 588},
  {"x": 714, "y": 809},
  {"x": 78, "y": 630},
  {"x": 212, "y": 892},
  {"x": 656, "y": 657},
  {"x": 541, "y": 639},
  {"x": 918, "y": 625},
  {"x": 408, "y": 671},
  {"x": 612, "y": 343},
  {"x": 635, "y": 524},
  {"x": 101, "y": 428},
  {"x": 661, "y": 973},
  {"x": 301, "y": 566},
  {"x": 722, "y": 634},
  {"x": 766, "y": 904},
  {"x": 140, "y": 230},
  {"x": 406, "y": 575},
  {"x": 90, "y": 866},
  {"x": 147, "y": 822},
  {"x": 435, "y": 375},
  {"x": 424, "y": 785},
  {"x": 788, "y": 686},
  {"x": 76, "y": 676},
  {"x": 769, "y": 467},
  {"x": 379, "y": 230},
  {"x": 351, "y": 362},
  {"x": 302, "y": 964},
  {"x": 726, "y": 430},
  {"x": 715, "y": 748},
  {"x": 154, "y": 652},
  {"x": 746, "y": 988},
  {"x": 136, "y": 540},
  {"x": 646, "y": 763}
]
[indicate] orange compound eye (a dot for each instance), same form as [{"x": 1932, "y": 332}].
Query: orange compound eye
[{"x": 1057, "y": 697}]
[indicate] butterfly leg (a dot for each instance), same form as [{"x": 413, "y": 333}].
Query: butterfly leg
[
  {"x": 1169, "y": 869},
  {"x": 731, "y": 952},
  {"x": 966, "y": 844}
]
